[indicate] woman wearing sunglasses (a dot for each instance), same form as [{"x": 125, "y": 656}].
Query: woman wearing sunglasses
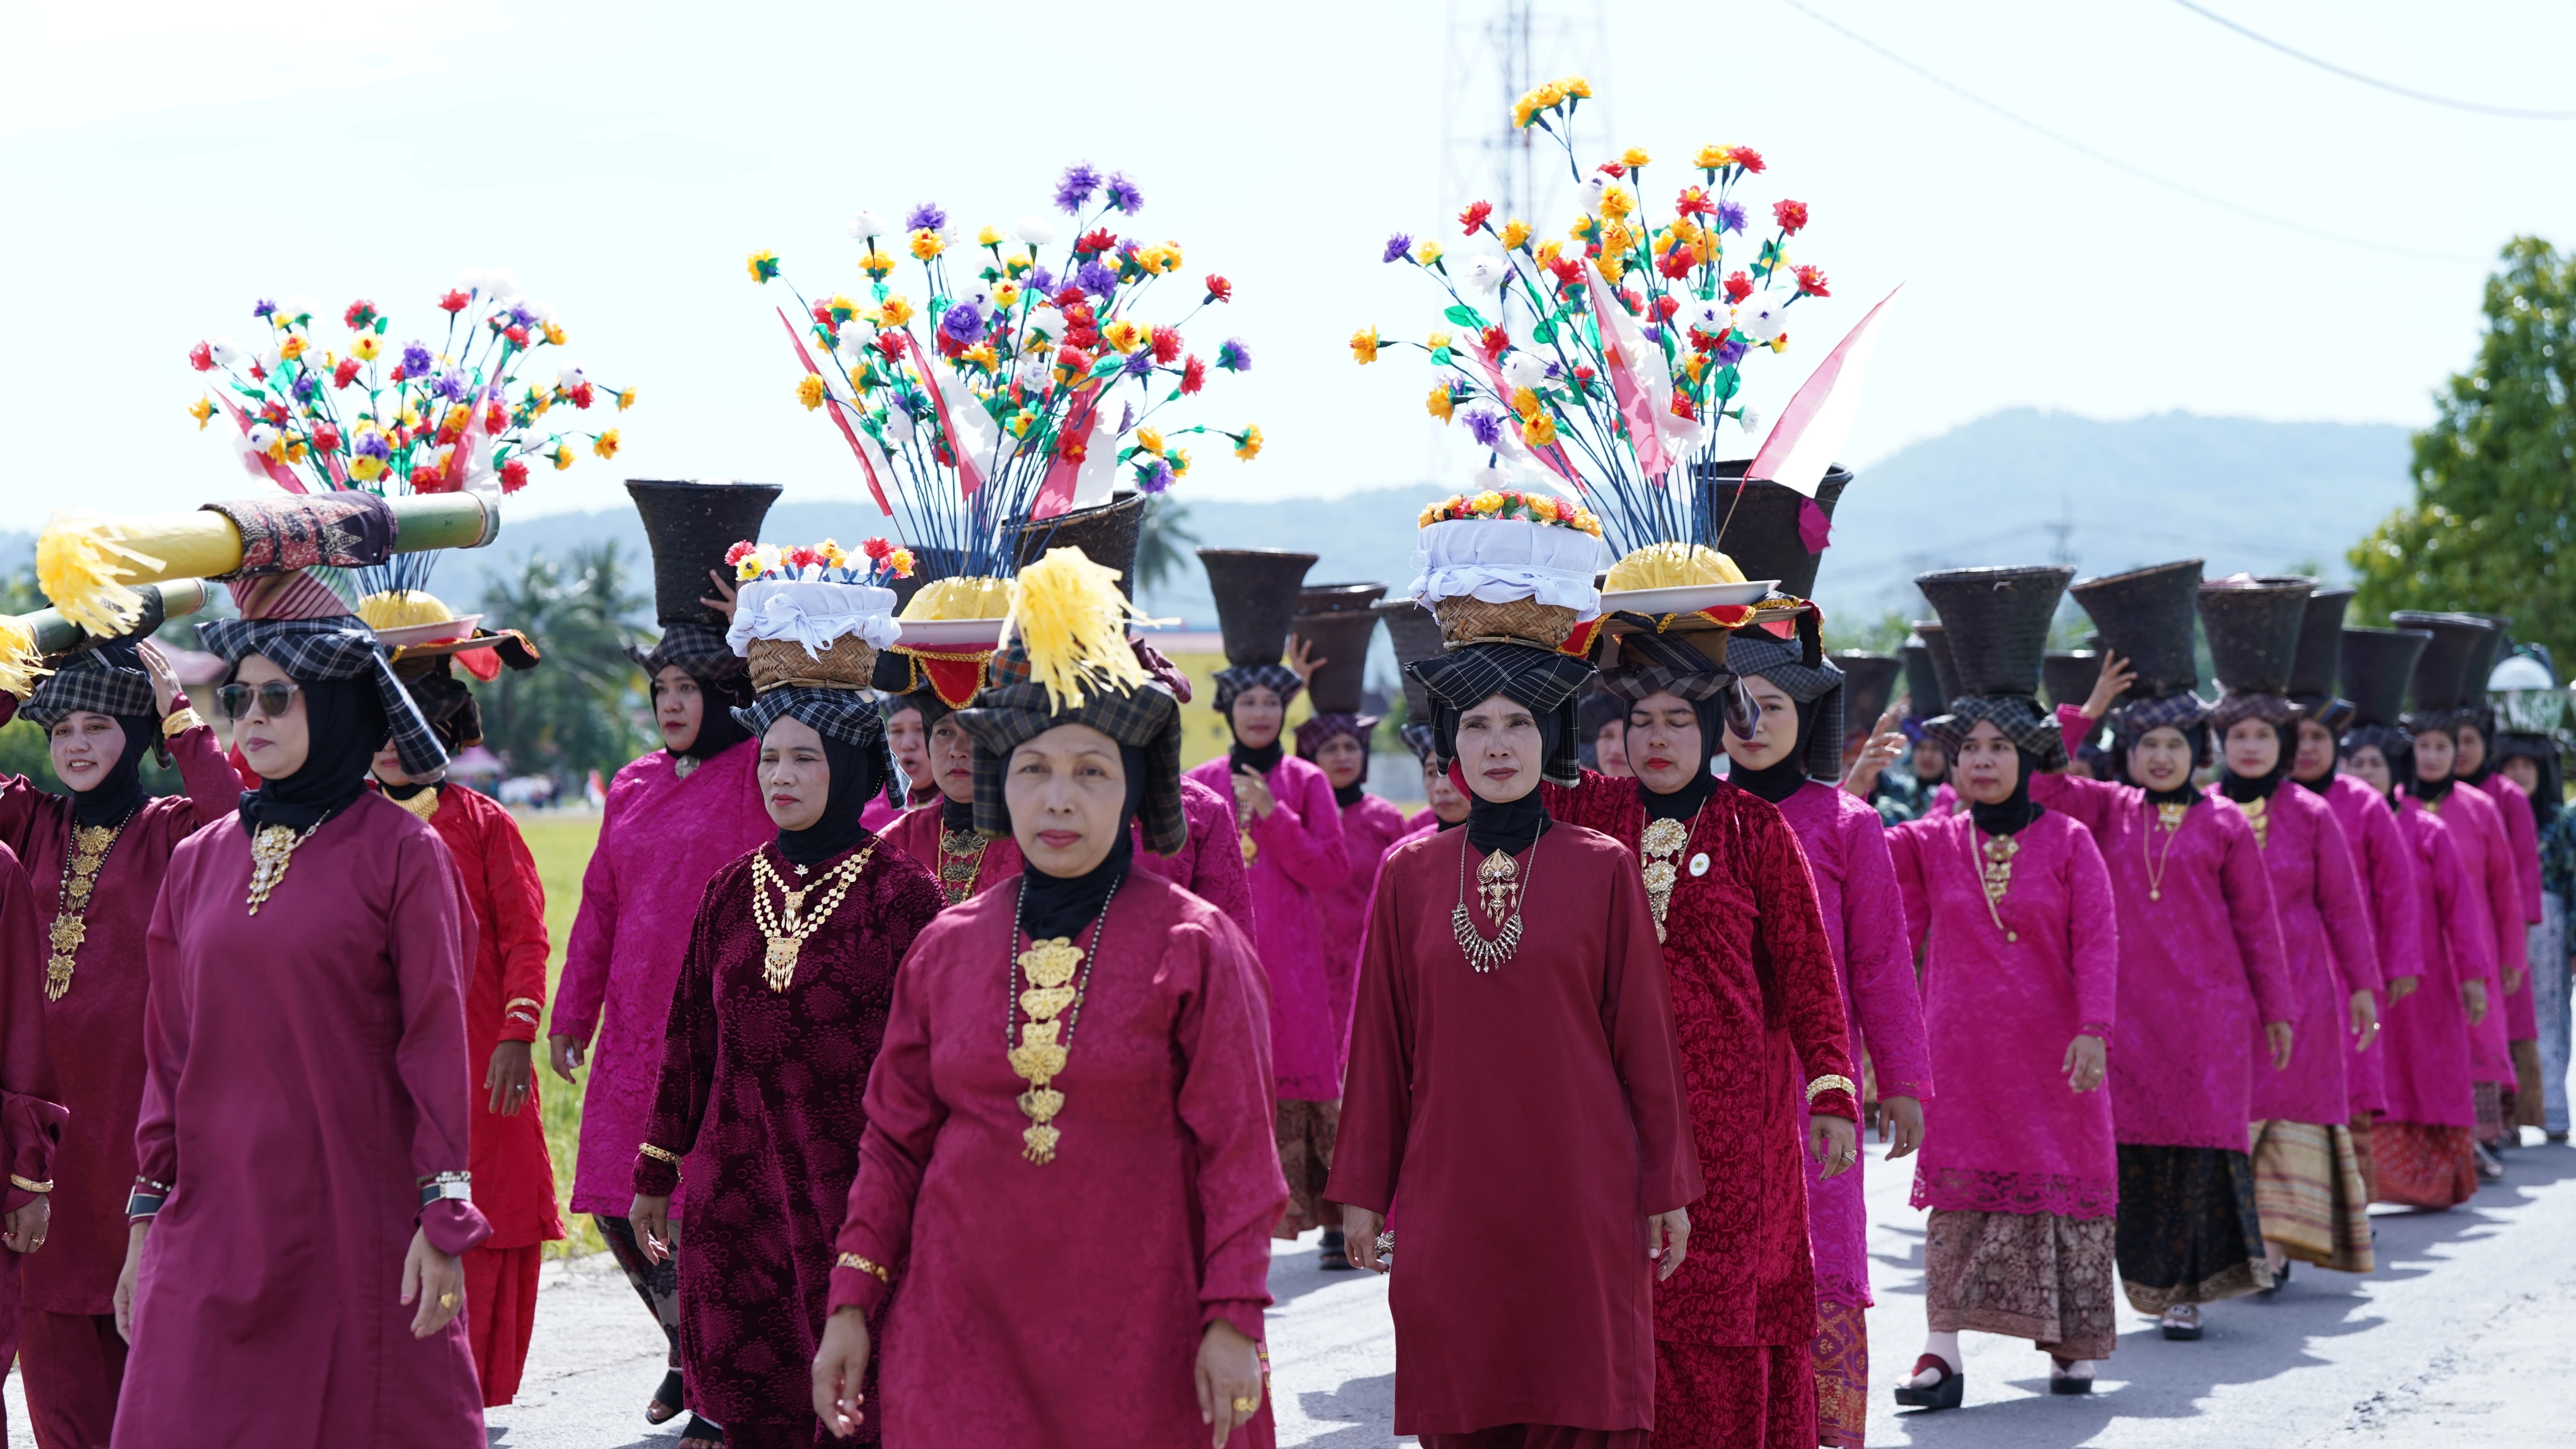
[
  {"x": 302, "y": 1194},
  {"x": 96, "y": 857}
]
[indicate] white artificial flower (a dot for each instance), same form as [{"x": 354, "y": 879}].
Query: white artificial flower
[
  {"x": 1524, "y": 369},
  {"x": 271, "y": 360},
  {"x": 1764, "y": 315},
  {"x": 1707, "y": 314},
  {"x": 570, "y": 376},
  {"x": 974, "y": 292},
  {"x": 539, "y": 313},
  {"x": 1484, "y": 275},
  {"x": 898, "y": 426},
  {"x": 1036, "y": 231},
  {"x": 297, "y": 306},
  {"x": 1751, "y": 419},
  {"x": 852, "y": 346},
  {"x": 223, "y": 351},
  {"x": 867, "y": 224},
  {"x": 1588, "y": 195},
  {"x": 261, "y": 437}
]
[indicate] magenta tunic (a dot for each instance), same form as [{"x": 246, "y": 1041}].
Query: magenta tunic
[
  {"x": 2478, "y": 831},
  {"x": 2007, "y": 1135},
  {"x": 2201, "y": 963},
  {"x": 2325, "y": 933},
  {"x": 305, "y": 1068},
  {"x": 1370, "y": 828},
  {"x": 2386, "y": 866},
  {"x": 1020, "y": 1320},
  {"x": 2522, "y": 847},
  {"x": 1847, "y": 857},
  {"x": 2426, "y": 1038},
  {"x": 661, "y": 839},
  {"x": 1300, "y": 858}
]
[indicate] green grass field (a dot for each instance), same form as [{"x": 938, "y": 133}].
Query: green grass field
[{"x": 562, "y": 849}]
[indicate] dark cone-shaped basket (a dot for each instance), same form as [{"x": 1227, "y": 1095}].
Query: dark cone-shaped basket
[
  {"x": 2068, "y": 677},
  {"x": 1756, "y": 523},
  {"x": 2314, "y": 673},
  {"x": 1869, "y": 682},
  {"x": 1338, "y": 598},
  {"x": 2376, "y": 668},
  {"x": 1995, "y": 621},
  {"x": 2482, "y": 659},
  {"x": 2441, "y": 678},
  {"x": 2254, "y": 634},
  {"x": 1107, "y": 535},
  {"x": 1416, "y": 635},
  {"x": 689, "y": 526},
  {"x": 1341, "y": 641},
  {"x": 2145, "y": 616},
  {"x": 1945, "y": 672},
  {"x": 1922, "y": 679},
  {"x": 1256, "y": 596}
]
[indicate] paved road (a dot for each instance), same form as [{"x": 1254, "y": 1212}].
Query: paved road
[{"x": 2463, "y": 1337}]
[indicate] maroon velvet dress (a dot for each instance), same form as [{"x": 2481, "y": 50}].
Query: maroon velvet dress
[
  {"x": 760, "y": 1094},
  {"x": 1522, "y": 1123},
  {"x": 1208, "y": 864},
  {"x": 305, "y": 1068},
  {"x": 1060, "y": 1305}
]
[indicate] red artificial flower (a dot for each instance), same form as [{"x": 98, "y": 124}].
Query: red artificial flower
[
  {"x": 1073, "y": 359},
  {"x": 258, "y": 373},
  {"x": 426, "y": 479},
  {"x": 1069, "y": 297},
  {"x": 1811, "y": 282},
  {"x": 1567, "y": 271},
  {"x": 1792, "y": 215},
  {"x": 1682, "y": 406},
  {"x": 947, "y": 345},
  {"x": 1472, "y": 220},
  {"x": 1614, "y": 169},
  {"x": 1695, "y": 201},
  {"x": 582, "y": 395},
  {"x": 452, "y": 425},
  {"x": 823, "y": 314},
  {"x": 1702, "y": 342},
  {"x": 1665, "y": 307},
  {"x": 740, "y": 551},
  {"x": 273, "y": 413},
  {"x": 1495, "y": 341},
  {"x": 876, "y": 548},
  {"x": 1583, "y": 373},
  {"x": 1675, "y": 263},
  {"x": 1746, "y": 157},
  {"x": 514, "y": 476},
  {"x": 455, "y": 301},
  {"x": 1078, "y": 313},
  {"x": 360, "y": 313},
  {"x": 1097, "y": 240},
  {"x": 1738, "y": 287},
  {"x": 518, "y": 335},
  {"x": 1193, "y": 375},
  {"x": 496, "y": 418},
  {"x": 346, "y": 373},
  {"x": 1071, "y": 447},
  {"x": 1219, "y": 289},
  {"x": 891, "y": 344},
  {"x": 1631, "y": 301},
  {"x": 326, "y": 438},
  {"x": 201, "y": 357},
  {"x": 1167, "y": 344}
]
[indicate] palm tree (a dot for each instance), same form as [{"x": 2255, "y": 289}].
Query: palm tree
[
  {"x": 1158, "y": 546},
  {"x": 583, "y": 709}
]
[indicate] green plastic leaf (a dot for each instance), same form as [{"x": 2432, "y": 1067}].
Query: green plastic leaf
[
  {"x": 1107, "y": 365},
  {"x": 1545, "y": 331},
  {"x": 1440, "y": 357},
  {"x": 1463, "y": 315}
]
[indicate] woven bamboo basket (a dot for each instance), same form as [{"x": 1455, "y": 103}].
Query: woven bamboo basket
[
  {"x": 850, "y": 663},
  {"x": 1467, "y": 619}
]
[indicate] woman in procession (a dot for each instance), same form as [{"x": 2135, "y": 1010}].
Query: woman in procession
[
  {"x": 1131, "y": 1085},
  {"x": 2475, "y": 763}
]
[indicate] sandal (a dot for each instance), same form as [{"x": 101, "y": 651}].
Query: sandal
[
  {"x": 2181, "y": 1322},
  {"x": 665, "y": 1404},
  {"x": 701, "y": 1431},
  {"x": 2062, "y": 1378},
  {"x": 1331, "y": 1255},
  {"x": 1943, "y": 1393}
]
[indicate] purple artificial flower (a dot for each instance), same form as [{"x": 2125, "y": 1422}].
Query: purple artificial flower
[
  {"x": 373, "y": 444},
  {"x": 451, "y": 384},
  {"x": 1730, "y": 216},
  {"x": 1486, "y": 424},
  {"x": 1123, "y": 193},
  {"x": 1140, "y": 363},
  {"x": 1398, "y": 247},
  {"x": 962, "y": 324},
  {"x": 415, "y": 359},
  {"x": 1654, "y": 332},
  {"x": 1157, "y": 478},
  {"x": 926, "y": 217},
  {"x": 1075, "y": 187},
  {"x": 1233, "y": 356},
  {"x": 1042, "y": 281},
  {"x": 305, "y": 386},
  {"x": 263, "y": 308},
  {"x": 524, "y": 315},
  {"x": 1731, "y": 351},
  {"x": 1096, "y": 279}
]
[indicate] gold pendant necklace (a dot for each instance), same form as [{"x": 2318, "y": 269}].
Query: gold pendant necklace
[
  {"x": 2258, "y": 813},
  {"x": 2169, "y": 818},
  {"x": 271, "y": 852},
  {"x": 787, "y": 930},
  {"x": 1499, "y": 888},
  {"x": 81, "y": 865},
  {"x": 961, "y": 856},
  {"x": 1659, "y": 852},
  {"x": 1053, "y": 1002},
  {"x": 1997, "y": 852},
  {"x": 422, "y": 802}
]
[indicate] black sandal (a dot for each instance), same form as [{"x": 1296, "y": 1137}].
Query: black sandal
[
  {"x": 665, "y": 1404},
  {"x": 1943, "y": 1394},
  {"x": 1331, "y": 1254},
  {"x": 2062, "y": 1382},
  {"x": 701, "y": 1431}
]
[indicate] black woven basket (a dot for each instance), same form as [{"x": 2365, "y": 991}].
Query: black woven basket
[
  {"x": 1869, "y": 682},
  {"x": 2068, "y": 676},
  {"x": 1922, "y": 681},
  {"x": 688, "y": 526},
  {"x": 1945, "y": 673},
  {"x": 2145, "y": 616},
  {"x": 1756, "y": 524},
  {"x": 2377, "y": 667},
  {"x": 1107, "y": 535},
  {"x": 1337, "y": 598},
  {"x": 1416, "y": 635},
  {"x": 2441, "y": 677},
  {"x": 2482, "y": 659},
  {"x": 1995, "y": 622},
  {"x": 2314, "y": 673},
  {"x": 2254, "y": 633},
  {"x": 1341, "y": 640},
  {"x": 1256, "y": 596}
]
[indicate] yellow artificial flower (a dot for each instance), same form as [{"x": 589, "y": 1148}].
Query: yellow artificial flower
[
  {"x": 201, "y": 410},
  {"x": 747, "y": 570},
  {"x": 926, "y": 244},
  {"x": 1247, "y": 447},
  {"x": 831, "y": 551},
  {"x": 894, "y": 312},
  {"x": 1426, "y": 251},
  {"x": 1149, "y": 441},
  {"x": 294, "y": 451},
  {"x": 555, "y": 332},
  {"x": 762, "y": 265},
  {"x": 365, "y": 469},
  {"x": 1364, "y": 345},
  {"x": 1542, "y": 505},
  {"x": 1162, "y": 260},
  {"x": 980, "y": 355},
  {"x": 291, "y": 348},
  {"x": 1123, "y": 335},
  {"x": 1442, "y": 406},
  {"x": 1584, "y": 520},
  {"x": 1179, "y": 458},
  {"x": 1615, "y": 203},
  {"x": 1632, "y": 158},
  {"x": 990, "y": 236},
  {"x": 1616, "y": 236},
  {"x": 811, "y": 391},
  {"x": 901, "y": 562},
  {"x": 539, "y": 403},
  {"x": 1525, "y": 110},
  {"x": 1526, "y": 403},
  {"x": 1515, "y": 232},
  {"x": 563, "y": 457},
  {"x": 605, "y": 445},
  {"x": 1548, "y": 251},
  {"x": 1779, "y": 343},
  {"x": 366, "y": 347},
  {"x": 1576, "y": 86},
  {"x": 1486, "y": 502},
  {"x": 411, "y": 418},
  {"x": 876, "y": 263},
  {"x": 1006, "y": 295},
  {"x": 1436, "y": 341},
  {"x": 1695, "y": 364},
  {"x": 626, "y": 399},
  {"x": 1016, "y": 266},
  {"x": 1613, "y": 266},
  {"x": 1710, "y": 158}
]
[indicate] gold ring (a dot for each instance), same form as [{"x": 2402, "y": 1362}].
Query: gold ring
[
  {"x": 1246, "y": 1406},
  {"x": 446, "y": 1300}
]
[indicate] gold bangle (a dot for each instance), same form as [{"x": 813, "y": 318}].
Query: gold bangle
[
  {"x": 658, "y": 1155},
  {"x": 1822, "y": 1085},
  {"x": 866, "y": 1265},
  {"x": 178, "y": 720},
  {"x": 25, "y": 1185}
]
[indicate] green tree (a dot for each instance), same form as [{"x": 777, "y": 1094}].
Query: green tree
[
  {"x": 583, "y": 708},
  {"x": 1159, "y": 543},
  {"x": 2490, "y": 528}
]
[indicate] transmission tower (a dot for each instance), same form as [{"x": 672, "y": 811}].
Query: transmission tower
[{"x": 1497, "y": 51}]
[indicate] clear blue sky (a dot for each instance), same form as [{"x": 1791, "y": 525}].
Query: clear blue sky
[{"x": 165, "y": 163}]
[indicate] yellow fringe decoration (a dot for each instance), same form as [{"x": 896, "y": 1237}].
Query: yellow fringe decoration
[
  {"x": 1072, "y": 623},
  {"x": 401, "y": 609},
  {"x": 960, "y": 598},
  {"x": 20, "y": 664},
  {"x": 1672, "y": 566},
  {"x": 80, "y": 565}
]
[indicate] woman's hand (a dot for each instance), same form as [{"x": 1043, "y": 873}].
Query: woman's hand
[
  {"x": 1905, "y": 1114},
  {"x": 725, "y": 592},
  {"x": 2401, "y": 987},
  {"x": 1360, "y": 1228},
  {"x": 134, "y": 1236},
  {"x": 2086, "y": 1061},
  {"x": 1301, "y": 658},
  {"x": 840, "y": 1366},
  {"x": 1834, "y": 1141},
  {"x": 2365, "y": 1020},
  {"x": 434, "y": 1280},
  {"x": 2512, "y": 982},
  {"x": 1886, "y": 746},
  {"x": 26, "y": 1227},
  {"x": 1252, "y": 793},
  {"x": 1229, "y": 1376},
  {"x": 566, "y": 1053},
  {"x": 512, "y": 1070},
  {"x": 165, "y": 682},
  {"x": 2116, "y": 676},
  {"x": 2278, "y": 1033},
  {"x": 651, "y": 1216},
  {"x": 2473, "y": 996},
  {"x": 1668, "y": 1234}
]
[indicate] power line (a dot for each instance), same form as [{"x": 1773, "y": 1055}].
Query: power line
[
  {"x": 2512, "y": 112},
  {"x": 2140, "y": 173}
]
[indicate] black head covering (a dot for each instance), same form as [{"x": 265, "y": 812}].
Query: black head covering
[
  {"x": 1322, "y": 729},
  {"x": 854, "y": 746},
  {"x": 1014, "y": 708},
  {"x": 1279, "y": 679},
  {"x": 2395, "y": 746},
  {"x": 1543, "y": 679},
  {"x": 1066, "y": 905},
  {"x": 345, "y": 724},
  {"x": 1816, "y": 688},
  {"x": 119, "y": 793},
  {"x": 700, "y": 650},
  {"x": 855, "y": 779},
  {"x": 109, "y": 679},
  {"x": 2015, "y": 811},
  {"x": 1782, "y": 778},
  {"x": 2240, "y": 788}
]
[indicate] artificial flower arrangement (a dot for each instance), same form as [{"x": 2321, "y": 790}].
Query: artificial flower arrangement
[
  {"x": 395, "y": 419},
  {"x": 813, "y": 614},
  {"x": 1603, "y": 359},
  {"x": 878, "y": 565},
  {"x": 1496, "y": 503},
  {"x": 1022, "y": 384}
]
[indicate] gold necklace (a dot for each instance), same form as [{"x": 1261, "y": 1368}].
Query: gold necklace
[
  {"x": 81, "y": 865},
  {"x": 271, "y": 852},
  {"x": 787, "y": 931},
  {"x": 1499, "y": 887},
  {"x": 1659, "y": 852},
  {"x": 422, "y": 802},
  {"x": 2258, "y": 813},
  {"x": 957, "y": 864},
  {"x": 1053, "y": 1001},
  {"x": 2170, "y": 818},
  {"x": 1997, "y": 852}
]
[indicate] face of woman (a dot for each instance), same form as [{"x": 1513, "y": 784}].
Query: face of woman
[
  {"x": 2253, "y": 748},
  {"x": 2471, "y": 751},
  {"x": 952, "y": 760},
  {"x": 1665, "y": 746},
  {"x": 911, "y": 745},
  {"x": 2162, "y": 760},
  {"x": 2523, "y": 770},
  {"x": 1610, "y": 748},
  {"x": 1342, "y": 760},
  {"x": 1929, "y": 759},
  {"x": 678, "y": 706},
  {"x": 1988, "y": 765},
  {"x": 2433, "y": 756},
  {"x": 2370, "y": 767},
  {"x": 1498, "y": 749},
  {"x": 1066, "y": 789},
  {"x": 1257, "y": 715},
  {"x": 85, "y": 746},
  {"x": 277, "y": 744},
  {"x": 388, "y": 766},
  {"x": 2316, "y": 754},
  {"x": 1447, "y": 805},
  {"x": 795, "y": 777},
  {"x": 1775, "y": 734}
]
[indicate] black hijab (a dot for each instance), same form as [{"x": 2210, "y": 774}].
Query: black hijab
[
  {"x": 1783, "y": 777},
  {"x": 344, "y": 724},
  {"x": 119, "y": 793},
  {"x": 2015, "y": 811},
  {"x": 718, "y": 730},
  {"x": 855, "y": 781},
  {"x": 1510, "y": 826},
  {"x": 2240, "y": 788},
  {"x": 1240, "y": 756},
  {"x": 1053, "y": 906},
  {"x": 1684, "y": 803}
]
